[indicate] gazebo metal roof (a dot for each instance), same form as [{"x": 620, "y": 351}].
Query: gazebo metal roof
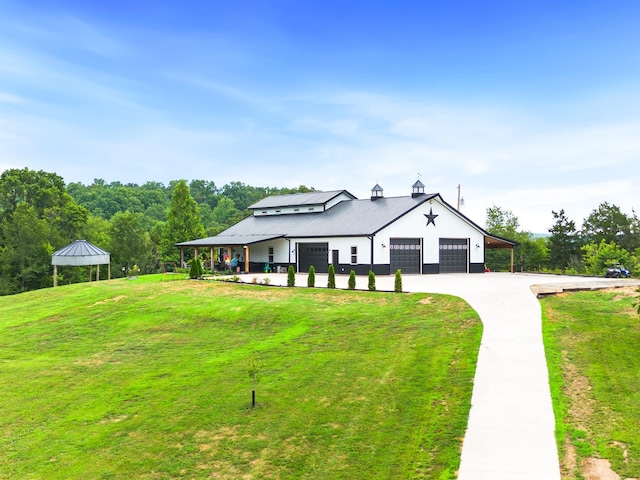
[{"x": 81, "y": 252}]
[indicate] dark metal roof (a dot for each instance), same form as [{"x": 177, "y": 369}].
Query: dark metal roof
[
  {"x": 228, "y": 240},
  {"x": 351, "y": 218},
  {"x": 293, "y": 199},
  {"x": 345, "y": 219}
]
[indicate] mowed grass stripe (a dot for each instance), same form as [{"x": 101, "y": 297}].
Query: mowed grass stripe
[{"x": 148, "y": 379}]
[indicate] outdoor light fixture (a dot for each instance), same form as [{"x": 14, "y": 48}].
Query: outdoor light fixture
[
  {"x": 384, "y": 246},
  {"x": 477, "y": 245}
]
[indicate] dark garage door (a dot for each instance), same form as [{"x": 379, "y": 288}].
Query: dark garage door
[
  {"x": 406, "y": 255},
  {"x": 454, "y": 255},
  {"x": 316, "y": 254}
]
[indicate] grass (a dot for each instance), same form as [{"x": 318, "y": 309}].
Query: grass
[
  {"x": 148, "y": 379},
  {"x": 592, "y": 341}
]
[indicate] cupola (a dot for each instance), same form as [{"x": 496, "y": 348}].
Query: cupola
[
  {"x": 377, "y": 192},
  {"x": 418, "y": 189}
]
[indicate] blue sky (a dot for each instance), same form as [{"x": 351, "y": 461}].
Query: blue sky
[{"x": 531, "y": 106}]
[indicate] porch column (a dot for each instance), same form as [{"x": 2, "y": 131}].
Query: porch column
[
  {"x": 512, "y": 267},
  {"x": 55, "y": 275},
  {"x": 98, "y": 273},
  {"x": 181, "y": 256},
  {"x": 108, "y": 271},
  {"x": 246, "y": 258},
  {"x": 212, "y": 259}
]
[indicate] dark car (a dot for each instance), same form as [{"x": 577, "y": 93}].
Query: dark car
[{"x": 617, "y": 271}]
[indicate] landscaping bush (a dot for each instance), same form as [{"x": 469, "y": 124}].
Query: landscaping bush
[
  {"x": 398, "y": 283},
  {"x": 372, "y": 281},
  {"x": 196, "y": 270},
  {"x": 352, "y": 280},
  {"x": 331, "y": 282},
  {"x": 311, "y": 279},
  {"x": 291, "y": 277}
]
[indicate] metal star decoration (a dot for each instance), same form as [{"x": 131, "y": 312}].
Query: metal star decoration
[{"x": 431, "y": 218}]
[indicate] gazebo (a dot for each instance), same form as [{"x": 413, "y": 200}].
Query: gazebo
[{"x": 80, "y": 253}]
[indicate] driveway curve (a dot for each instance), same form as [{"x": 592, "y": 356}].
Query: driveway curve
[{"x": 510, "y": 433}]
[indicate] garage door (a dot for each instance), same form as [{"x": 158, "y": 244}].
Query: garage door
[
  {"x": 454, "y": 255},
  {"x": 316, "y": 254},
  {"x": 406, "y": 255}
]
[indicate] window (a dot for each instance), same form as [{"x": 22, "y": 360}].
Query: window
[
  {"x": 270, "y": 254},
  {"x": 354, "y": 255}
]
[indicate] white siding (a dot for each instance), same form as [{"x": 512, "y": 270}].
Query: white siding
[{"x": 414, "y": 225}]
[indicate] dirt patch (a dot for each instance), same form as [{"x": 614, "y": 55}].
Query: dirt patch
[
  {"x": 577, "y": 389},
  {"x": 115, "y": 299},
  {"x": 426, "y": 301},
  {"x": 598, "y": 469}
]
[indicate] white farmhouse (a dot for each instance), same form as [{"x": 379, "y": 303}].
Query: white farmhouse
[{"x": 418, "y": 234}]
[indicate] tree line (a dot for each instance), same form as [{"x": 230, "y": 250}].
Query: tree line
[
  {"x": 140, "y": 224},
  {"x": 606, "y": 237}
]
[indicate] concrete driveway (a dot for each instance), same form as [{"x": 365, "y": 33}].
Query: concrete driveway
[{"x": 510, "y": 434}]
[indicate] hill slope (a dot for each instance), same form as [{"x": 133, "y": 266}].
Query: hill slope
[{"x": 148, "y": 379}]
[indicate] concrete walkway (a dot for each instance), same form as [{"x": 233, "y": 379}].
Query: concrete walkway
[{"x": 510, "y": 434}]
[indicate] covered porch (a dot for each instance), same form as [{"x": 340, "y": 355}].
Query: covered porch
[
  {"x": 495, "y": 242},
  {"x": 233, "y": 246}
]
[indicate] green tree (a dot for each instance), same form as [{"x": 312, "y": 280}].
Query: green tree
[
  {"x": 183, "y": 221},
  {"x": 224, "y": 212},
  {"x": 607, "y": 223},
  {"x": 397, "y": 287},
  {"x": 331, "y": 280},
  {"x": 352, "y": 280},
  {"x": 291, "y": 277},
  {"x": 598, "y": 256},
  {"x": 39, "y": 203},
  {"x": 311, "y": 279},
  {"x": 25, "y": 252},
  {"x": 372, "y": 281},
  {"x": 533, "y": 253},
  {"x": 501, "y": 223},
  {"x": 563, "y": 244},
  {"x": 129, "y": 242},
  {"x": 40, "y": 190}
]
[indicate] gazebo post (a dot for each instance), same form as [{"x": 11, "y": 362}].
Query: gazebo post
[
  {"x": 246, "y": 258},
  {"x": 108, "y": 271},
  {"x": 98, "y": 273},
  {"x": 181, "y": 257},
  {"x": 90, "y": 272},
  {"x": 55, "y": 275},
  {"x": 212, "y": 259}
]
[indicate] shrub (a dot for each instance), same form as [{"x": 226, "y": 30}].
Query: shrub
[
  {"x": 291, "y": 277},
  {"x": 398, "y": 283},
  {"x": 331, "y": 283},
  {"x": 196, "y": 270},
  {"x": 311, "y": 279},
  {"x": 372, "y": 281},
  {"x": 352, "y": 280}
]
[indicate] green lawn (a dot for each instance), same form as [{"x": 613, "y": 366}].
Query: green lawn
[
  {"x": 592, "y": 341},
  {"x": 148, "y": 378}
]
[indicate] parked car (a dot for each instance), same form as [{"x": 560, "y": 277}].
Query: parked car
[{"x": 617, "y": 271}]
